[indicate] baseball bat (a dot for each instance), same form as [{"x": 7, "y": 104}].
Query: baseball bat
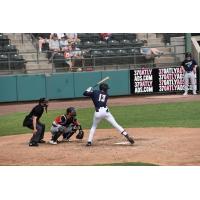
[{"x": 102, "y": 81}]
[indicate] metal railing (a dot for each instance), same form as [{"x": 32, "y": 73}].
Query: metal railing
[{"x": 91, "y": 61}]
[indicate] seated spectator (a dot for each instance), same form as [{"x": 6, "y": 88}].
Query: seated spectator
[
  {"x": 54, "y": 47},
  {"x": 63, "y": 43},
  {"x": 72, "y": 38},
  {"x": 58, "y": 35},
  {"x": 105, "y": 36},
  {"x": 68, "y": 57},
  {"x": 76, "y": 54},
  {"x": 150, "y": 53}
]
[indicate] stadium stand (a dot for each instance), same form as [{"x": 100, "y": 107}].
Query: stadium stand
[
  {"x": 10, "y": 60},
  {"x": 119, "y": 50}
]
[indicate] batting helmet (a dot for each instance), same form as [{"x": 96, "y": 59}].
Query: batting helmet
[
  {"x": 71, "y": 110},
  {"x": 188, "y": 54},
  {"x": 104, "y": 87}
]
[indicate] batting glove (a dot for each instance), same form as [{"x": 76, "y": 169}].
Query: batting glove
[{"x": 89, "y": 89}]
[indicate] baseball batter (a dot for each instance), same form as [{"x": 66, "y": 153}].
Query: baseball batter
[
  {"x": 99, "y": 98},
  {"x": 189, "y": 68}
]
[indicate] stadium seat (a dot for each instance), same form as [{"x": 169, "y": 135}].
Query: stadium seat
[
  {"x": 126, "y": 42},
  {"x": 4, "y": 62},
  {"x": 121, "y": 56},
  {"x": 11, "y": 49},
  {"x": 113, "y": 43},
  {"x": 84, "y": 37},
  {"x": 59, "y": 61},
  {"x": 100, "y": 44},
  {"x": 88, "y": 44},
  {"x": 17, "y": 61},
  {"x": 135, "y": 51},
  {"x": 96, "y": 53},
  {"x": 95, "y": 37},
  {"x": 117, "y": 36},
  {"x": 4, "y": 40},
  {"x": 130, "y": 36},
  {"x": 109, "y": 57}
]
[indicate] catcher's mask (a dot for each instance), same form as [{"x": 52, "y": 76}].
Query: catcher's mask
[
  {"x": 71, "y": 111},
  {"x": 44, "y": 103},
  {"x": 104, "y": 87}
]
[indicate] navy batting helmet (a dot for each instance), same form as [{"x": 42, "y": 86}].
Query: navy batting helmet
[
  {"x": 104, "y": 87},
  {"x": 72, "y": 111}
]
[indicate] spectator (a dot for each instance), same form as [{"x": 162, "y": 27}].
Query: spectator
[
  {"x": 54, "y": 47},
  {"x": 58, "y": 35},
  {"x": 72, "y": 38},
  {"x": 43, "y": 39},
  {"x": 76, "y": 54},
  {"x": 63, "y": 43},
  {"x": 150, "y": 53},
  {"x": 68, "y": 57},
  {"x": 105, "y": 36}
]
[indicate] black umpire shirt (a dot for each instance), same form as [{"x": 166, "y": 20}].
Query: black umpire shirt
[{"x": 37, "y": 111}]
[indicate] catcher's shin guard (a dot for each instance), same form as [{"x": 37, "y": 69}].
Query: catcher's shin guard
[
  {"x": 68, "y": 135},
  {"x": 56, "y": 136}
]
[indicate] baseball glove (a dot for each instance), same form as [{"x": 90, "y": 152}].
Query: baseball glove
[{"x": 80, "y": 135}]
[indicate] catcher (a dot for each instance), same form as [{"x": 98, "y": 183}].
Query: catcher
[{"x": 66, "y": 125}]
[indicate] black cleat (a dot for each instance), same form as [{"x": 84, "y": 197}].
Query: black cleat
[
  {"x": 89, "y": 144},
  {"x": 41, "y": 141},
  {"x": 130, "y": 139},
  {"x": 33, "y": 144}
]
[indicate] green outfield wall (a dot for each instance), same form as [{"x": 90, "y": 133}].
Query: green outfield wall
[{"x": 15, "y": 88}]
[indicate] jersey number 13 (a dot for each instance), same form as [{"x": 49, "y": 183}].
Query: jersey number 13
[{"x": 102, "y": 97}]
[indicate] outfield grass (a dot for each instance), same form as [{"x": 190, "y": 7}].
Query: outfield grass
[{"x": 184, "y": 114}]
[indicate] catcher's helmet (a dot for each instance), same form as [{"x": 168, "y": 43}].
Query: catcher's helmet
[
  {"x": 71, "y": 110},
  {"x": 188, "y": 54},
  {"x": 104, "y": 87}
]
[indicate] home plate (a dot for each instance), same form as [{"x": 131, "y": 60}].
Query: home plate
[{"x": 123, "y": 143}]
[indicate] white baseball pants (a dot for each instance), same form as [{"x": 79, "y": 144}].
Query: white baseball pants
[
  {"x": 104, "y": 114},
  {"x": 190, "y": 76}
]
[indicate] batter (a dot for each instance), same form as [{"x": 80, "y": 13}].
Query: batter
[{"x": 99, "y": 98}]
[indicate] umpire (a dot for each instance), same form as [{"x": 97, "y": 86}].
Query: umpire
[{"x": 32, "y": 121}]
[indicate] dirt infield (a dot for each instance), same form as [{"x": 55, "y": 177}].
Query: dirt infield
[{"x": 162, "y": 146}]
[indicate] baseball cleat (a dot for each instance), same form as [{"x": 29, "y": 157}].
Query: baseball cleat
[
  {"x": 41, "y": 141},
  {"x": 65, "y": 140},
  {"x": 185, "y": 94},
  {"x": 89, "y": 144},
  {"x": 33, "y": 144},
  {"x": 130, "y": 139},
  {"x": 52, "y": 142}
]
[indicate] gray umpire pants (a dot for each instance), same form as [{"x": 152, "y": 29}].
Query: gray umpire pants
[{"x": 39, "y": 135}]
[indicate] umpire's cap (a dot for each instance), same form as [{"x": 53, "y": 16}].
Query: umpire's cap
[
  {"x": 104, "y": 87},
  {"x": 72, "y": 111},
  {"x": 43, "y": 100}
]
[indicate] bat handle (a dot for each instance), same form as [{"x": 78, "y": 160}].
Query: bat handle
[{"x": 95, "y": 86}]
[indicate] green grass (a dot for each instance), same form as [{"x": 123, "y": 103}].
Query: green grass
[{"x": 185, "y": 114}]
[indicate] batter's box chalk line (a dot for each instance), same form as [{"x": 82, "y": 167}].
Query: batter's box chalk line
[{"x": 122, "y": 143}]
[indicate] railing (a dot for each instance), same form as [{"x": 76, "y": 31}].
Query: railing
[{"x": 89, "y": 62}]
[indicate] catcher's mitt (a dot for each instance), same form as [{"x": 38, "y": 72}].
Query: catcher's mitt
[{"x": 80, "y": 135}]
